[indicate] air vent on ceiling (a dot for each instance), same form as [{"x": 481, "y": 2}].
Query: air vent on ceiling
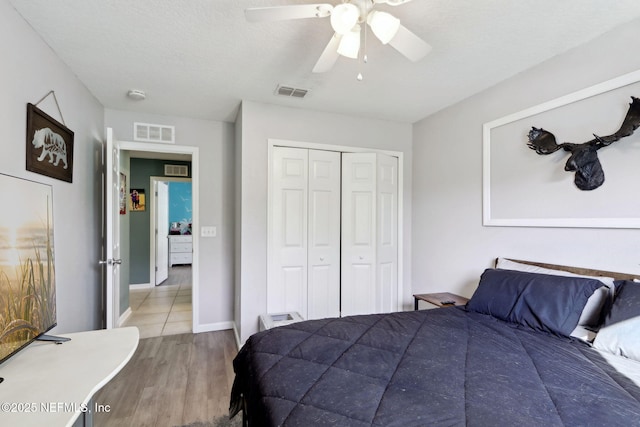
[
  {"x": 176, "y": 170},
  {"x": 291, "y": 91},
  {"x": 154, "y": 133}
]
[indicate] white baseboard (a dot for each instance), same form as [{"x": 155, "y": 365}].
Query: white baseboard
[
  {"x": 123, "y": 318},
  {"x": 140, "y": 286},
  {"x": 210, "y": 327}
]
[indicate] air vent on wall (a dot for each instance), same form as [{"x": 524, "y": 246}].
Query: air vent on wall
[
  {"x": 291, "y": 91},
  {"x": 176, "y": 170},
  {"x": 154, "y": 133}
]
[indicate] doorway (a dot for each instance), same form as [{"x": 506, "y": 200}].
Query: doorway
[
  {"x": 115, "y": 301},
  {"x": 161, "y": 253},
  {"x": 171, "y": 216}
]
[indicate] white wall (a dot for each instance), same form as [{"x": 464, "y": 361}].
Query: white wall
[
  {"x": 451, "y": 247},
  {"x": 260, "y": 122},
  {"x": 29, "y": 70},
  {"x": 215, "y": 141}
]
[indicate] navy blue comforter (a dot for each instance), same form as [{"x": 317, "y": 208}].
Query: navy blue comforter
[{"x": 441, "y": 367}]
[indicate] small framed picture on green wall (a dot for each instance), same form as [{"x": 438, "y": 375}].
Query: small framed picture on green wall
[{"x": 137, "y": 201}]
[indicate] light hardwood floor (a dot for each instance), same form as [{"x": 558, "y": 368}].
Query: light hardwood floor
[
  {"x": 165, "y": 309},
  {"x": 172, "y": 381}
]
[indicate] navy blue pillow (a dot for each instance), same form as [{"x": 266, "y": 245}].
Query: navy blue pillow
[
  {"x": 540, "y": 301},
  {"x": 619, "y": 334}
]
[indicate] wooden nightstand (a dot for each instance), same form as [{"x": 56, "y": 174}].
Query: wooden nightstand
[{"x": 438, "y": 299}]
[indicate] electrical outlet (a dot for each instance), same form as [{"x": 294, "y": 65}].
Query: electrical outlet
[{"x": 209, "y": 231}]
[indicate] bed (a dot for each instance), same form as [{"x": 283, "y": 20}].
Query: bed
[{"x": 537, "y": 345}]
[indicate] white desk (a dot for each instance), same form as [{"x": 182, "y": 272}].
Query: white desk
[{"x": 48, "y": 384}]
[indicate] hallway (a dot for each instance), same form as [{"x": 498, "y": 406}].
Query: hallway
[{"x": 165, "y": 309}]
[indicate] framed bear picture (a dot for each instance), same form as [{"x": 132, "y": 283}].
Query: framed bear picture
[{"x": 49, "y": 145}]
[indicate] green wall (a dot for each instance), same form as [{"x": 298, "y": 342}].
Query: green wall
[{"x": 140, "y": 222}]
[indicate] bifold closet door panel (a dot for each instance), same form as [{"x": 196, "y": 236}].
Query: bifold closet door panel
[
  {"x": 323, "y": 298},
  {"x": 387, "y": 234},
  {"x": 358, "y": 282},
  {"x": 287, "y": 281}
]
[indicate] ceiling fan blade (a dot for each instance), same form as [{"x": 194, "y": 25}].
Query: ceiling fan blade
[
  {"x": 410, "y": 45},
  {"x": 329, "y": 55},
  {"x": 282, "y": 13}
]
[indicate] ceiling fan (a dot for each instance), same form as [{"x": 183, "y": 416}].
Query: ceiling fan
[{"x": 346, "y": 20}]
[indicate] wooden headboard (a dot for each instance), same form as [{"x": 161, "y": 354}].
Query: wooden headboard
[{"x": 580, "y": 270}]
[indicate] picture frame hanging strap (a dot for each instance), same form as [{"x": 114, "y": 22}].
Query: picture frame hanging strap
[{"x": 51, "y": 92}]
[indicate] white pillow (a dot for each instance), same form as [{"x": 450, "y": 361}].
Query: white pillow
[{"x": 590, "y": 316}]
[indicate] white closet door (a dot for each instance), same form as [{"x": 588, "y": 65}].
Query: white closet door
[
  {"x": 323, "y": 299},
  {"x": 369, "y": 233},
  {"x": 387, "y": 234},
  {"x": 287, "y": 284},
  {"x": 358, "y": 293}
]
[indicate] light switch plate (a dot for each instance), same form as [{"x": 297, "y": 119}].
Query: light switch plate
[{"x": 208, "y": 231}]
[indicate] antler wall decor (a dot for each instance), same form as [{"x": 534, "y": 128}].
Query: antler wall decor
[{"x": 584, "y": 157}]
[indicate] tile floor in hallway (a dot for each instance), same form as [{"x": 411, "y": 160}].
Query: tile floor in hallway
[{"x": 165, "y": 309}]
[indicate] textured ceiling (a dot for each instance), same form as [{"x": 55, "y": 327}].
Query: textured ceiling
[{"x": 200, "y": 58}]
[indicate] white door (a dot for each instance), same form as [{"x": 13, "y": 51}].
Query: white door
[
  {"x": 369, "y": 282},
  {"x": 387, "y": 234},
  {"x": 333, "y": 233},
  {"x": 112, "y": 261},
  {"x": 162, "y": 231},
  {"x": 323, "y": 299},
  {"x": 358, "y": 233},
  {"x": 287, "y": 264}
]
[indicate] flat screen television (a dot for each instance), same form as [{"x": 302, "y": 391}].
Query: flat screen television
[{"x": 27, "y": 273}]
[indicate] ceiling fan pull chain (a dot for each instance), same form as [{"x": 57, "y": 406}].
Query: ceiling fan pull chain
[
  {"x": 364, "y": 50},
  {"x": 364, "y": 58}
]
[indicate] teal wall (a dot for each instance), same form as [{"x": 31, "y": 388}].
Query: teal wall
[
  {"x": 180, "y": 202},
  {"x": 140, "y": 222}
]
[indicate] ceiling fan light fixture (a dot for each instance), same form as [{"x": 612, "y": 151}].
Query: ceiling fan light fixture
[
  {"x": 384, "y": 25},
  {"x": 343, "y": 17},
  {"x": 350, "y": 43}
]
